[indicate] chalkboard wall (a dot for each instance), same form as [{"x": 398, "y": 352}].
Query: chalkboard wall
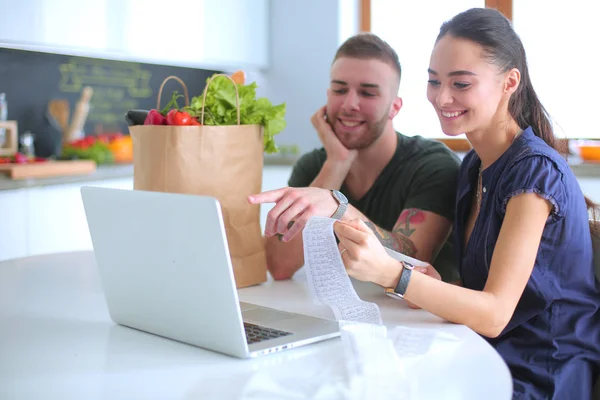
[{"x": 31, "y": 79}]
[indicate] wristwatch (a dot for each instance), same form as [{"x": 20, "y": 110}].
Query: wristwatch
[
  {"x": 342, "y": 204},
  {"x": 400, "y": 289}
]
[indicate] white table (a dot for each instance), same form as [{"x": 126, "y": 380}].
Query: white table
[{"x": 58, "y": 342}]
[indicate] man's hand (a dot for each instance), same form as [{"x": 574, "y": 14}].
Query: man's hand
[
  {"x": 336, "y": 152},
  {"x": 294, "y": 204}
]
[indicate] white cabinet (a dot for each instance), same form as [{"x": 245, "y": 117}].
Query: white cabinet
[
  {"x": 51, "y": 219},
  {"x": 225, "y": 34},
  {"x": 236, "y": 32},
  {"x": 55, "y": 220},
  {"x": 13, "y": 224},
  {"x": 47, "y": 219}
]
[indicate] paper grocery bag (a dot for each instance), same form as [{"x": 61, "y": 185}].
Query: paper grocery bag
[{"x": 224, "y": 162}]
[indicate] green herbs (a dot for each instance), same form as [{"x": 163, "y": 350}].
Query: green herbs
[{"x": 221, "y": 109}]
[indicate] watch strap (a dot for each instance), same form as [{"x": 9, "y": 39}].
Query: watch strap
[
  {"x": 400, "y": 289},
  {"x": 341, "y": 210},
  {"x": 404, "y": 278}
]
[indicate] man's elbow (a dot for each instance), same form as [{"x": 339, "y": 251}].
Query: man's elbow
[
  {"x": 282, "y": 266},
  {"x": 283, "y": 259},
  {"x": 281, "y": 270},
  {"x": 280, "y": 274}
]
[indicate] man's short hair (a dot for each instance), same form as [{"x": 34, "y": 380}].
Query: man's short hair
[{"x": 367, "y": 46}]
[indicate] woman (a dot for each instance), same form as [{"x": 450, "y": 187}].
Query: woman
[{"x": 522, "y": 226}]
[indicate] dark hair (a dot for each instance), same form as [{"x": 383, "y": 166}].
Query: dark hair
[
  {"x": 369, "y": 46},
  {"x": 503, "y": 48}
]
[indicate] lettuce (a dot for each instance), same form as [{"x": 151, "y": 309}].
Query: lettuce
[{"x": 221, "y": 109}]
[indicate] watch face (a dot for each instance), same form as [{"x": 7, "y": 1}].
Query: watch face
[{"x": 340, "y": 197}]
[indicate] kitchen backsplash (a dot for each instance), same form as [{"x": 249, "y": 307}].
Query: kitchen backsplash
[{"x": 32, "y": 79}]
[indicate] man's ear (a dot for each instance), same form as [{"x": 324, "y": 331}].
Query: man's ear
[
  {"x": 512, "y": 81},
  {"x": 395, "y": 108}
]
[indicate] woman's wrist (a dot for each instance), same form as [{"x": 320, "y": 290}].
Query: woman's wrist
[{"x": 391, "y": 274}]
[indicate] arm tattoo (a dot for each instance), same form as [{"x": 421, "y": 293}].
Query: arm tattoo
[{"x": 396, "y": 242}]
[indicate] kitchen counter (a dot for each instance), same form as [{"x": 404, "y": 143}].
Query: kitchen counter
[
  {"x": 105, "y": 172},
  {"x": 586, "y": 170},
  {"x": 108, "y": 172}
]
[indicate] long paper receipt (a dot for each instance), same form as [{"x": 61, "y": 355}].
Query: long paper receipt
[{"x": 328, "y": 281}]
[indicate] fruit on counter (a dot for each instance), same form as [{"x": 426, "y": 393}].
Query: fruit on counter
[
  {"x": 97, "y": 151},
  {"x": 122, "y": 149},
  {"x": 20, "y": 158},
  {"x": 101, "y": 148}
]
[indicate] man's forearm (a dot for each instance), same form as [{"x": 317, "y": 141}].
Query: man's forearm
[
  {"x": 395, "y": 241},
  {"x": 332, "y": 175},
  {"x": 284, "y": 258}
]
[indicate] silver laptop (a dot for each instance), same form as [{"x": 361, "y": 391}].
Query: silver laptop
[{"x": 165, "y": 269}]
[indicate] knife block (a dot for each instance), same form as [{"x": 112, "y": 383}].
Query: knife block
[{"x": 10, "y": 145}]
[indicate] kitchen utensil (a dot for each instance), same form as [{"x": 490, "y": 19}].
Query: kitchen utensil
[
  {"x": 75, "y": 129},
  {"x": 60, "y": 110}
]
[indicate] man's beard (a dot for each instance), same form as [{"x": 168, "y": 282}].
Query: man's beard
[{"x": 373, "y": 131}]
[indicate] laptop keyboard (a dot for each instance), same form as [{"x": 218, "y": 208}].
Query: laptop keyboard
[{"x": 256, "y": 333}]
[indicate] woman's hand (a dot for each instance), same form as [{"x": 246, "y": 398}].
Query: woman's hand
[
  {"x": 366, "y": 259},
  {"x": 364, "y": 256}
]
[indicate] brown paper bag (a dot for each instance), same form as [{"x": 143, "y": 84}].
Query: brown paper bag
[{"x": 224, "y": 162}]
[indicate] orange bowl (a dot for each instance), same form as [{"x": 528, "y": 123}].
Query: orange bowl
[{"x": 590, "y": 152}]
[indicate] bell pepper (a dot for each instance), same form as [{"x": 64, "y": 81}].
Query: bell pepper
[{"x": 154, "y": 117}]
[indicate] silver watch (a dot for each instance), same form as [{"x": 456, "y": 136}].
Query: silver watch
[{"x": 342, "y": 204}]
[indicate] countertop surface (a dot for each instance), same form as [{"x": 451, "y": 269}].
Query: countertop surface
[
  {"x": 58, "y": 342},
  {"x": 108, "y": 172}
]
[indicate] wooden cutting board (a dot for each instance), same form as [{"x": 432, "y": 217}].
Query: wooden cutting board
[{"x": 48, "y": 169}]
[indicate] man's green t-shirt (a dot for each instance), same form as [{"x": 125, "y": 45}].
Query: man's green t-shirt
[{"x": 422, "y": 174}]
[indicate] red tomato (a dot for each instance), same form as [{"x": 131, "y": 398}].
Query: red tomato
[
  {"x": 182, "y": 118},
  {"x": 179, "y": 118}
]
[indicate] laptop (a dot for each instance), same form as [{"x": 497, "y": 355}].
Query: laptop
[{"x": 165, "y": 269}]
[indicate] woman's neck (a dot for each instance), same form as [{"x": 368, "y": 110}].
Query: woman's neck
[{"x": 491, "y": 143}]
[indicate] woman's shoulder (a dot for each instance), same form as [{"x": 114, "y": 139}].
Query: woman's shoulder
[{"x": 532, "y": 151}]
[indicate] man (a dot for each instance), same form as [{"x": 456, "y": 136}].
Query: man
[{"x": 402, "y": 187}]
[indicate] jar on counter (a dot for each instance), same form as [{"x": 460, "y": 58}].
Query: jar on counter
[{"x": 27, "y": 144}]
